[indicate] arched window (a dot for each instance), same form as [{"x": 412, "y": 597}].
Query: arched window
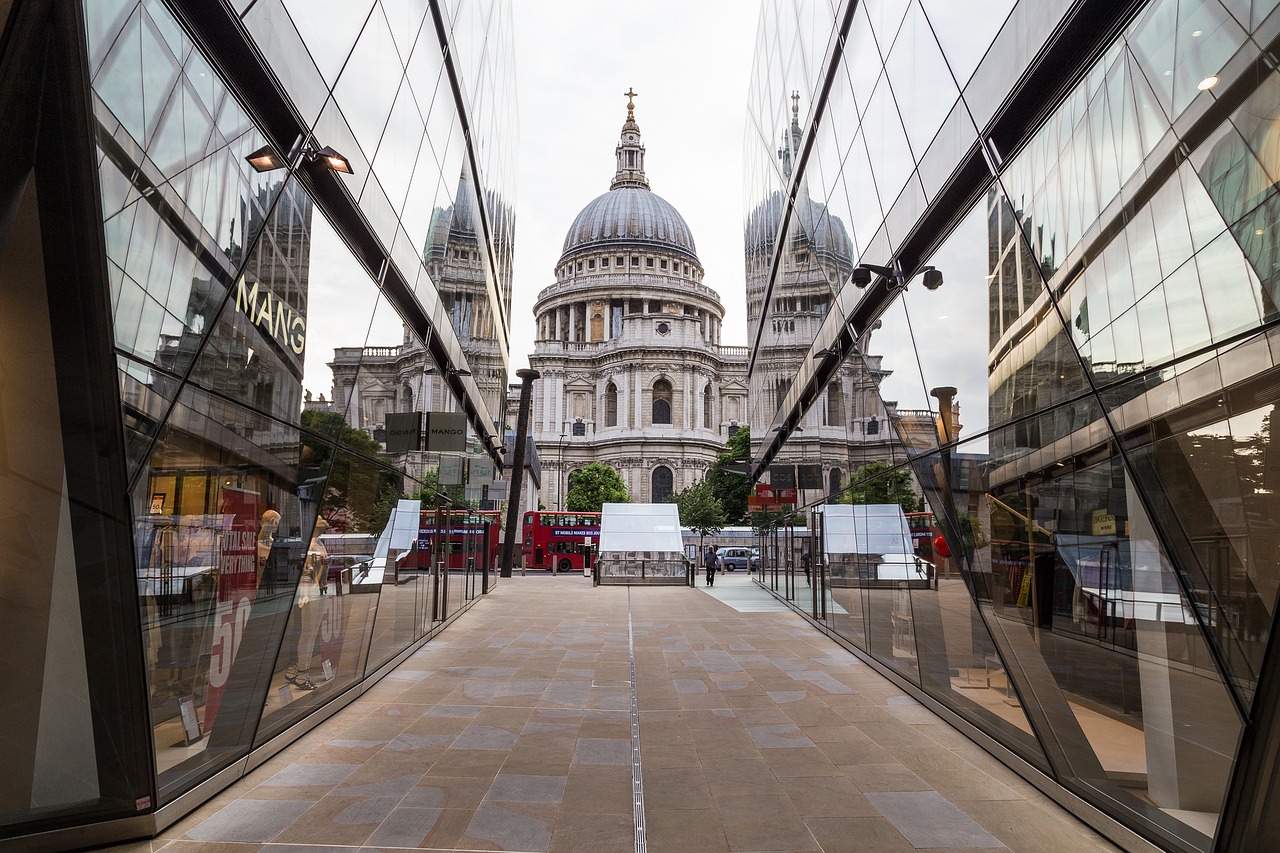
[
  {"x": 780, "y": 388},
  {"x": 661, "y": 484},
  {"x": 662, "y": 402},
  {"x": 611, "y": 405},
  {"x": 706, "y": 407},
  {"x": 835, "y": 404},
  {"x": 835, "y": 483},
  {"x": 873, "y": 426}
]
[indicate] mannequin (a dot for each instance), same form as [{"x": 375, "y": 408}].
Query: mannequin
[
  {"x": 267, "y": 527},
  {"x": 310, "y": 587}
]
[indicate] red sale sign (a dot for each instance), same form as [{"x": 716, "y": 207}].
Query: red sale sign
[{"x": 237, "y": 585}]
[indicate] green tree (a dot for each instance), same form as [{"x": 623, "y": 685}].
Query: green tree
[
  {"x": 731, "y": 488},
  {"x": 434, "y": 496},
  {"x": 594, "y": 486},
  {"x": 881, "y": 483},
  {"x": 700, "y": 510},
  {"x": 359, "y": 488},
  {"x": 333, "y": 426}
]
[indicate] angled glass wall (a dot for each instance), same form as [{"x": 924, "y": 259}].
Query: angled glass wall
[
  {"x": 227, "y": 552},
  {"x": 1076, "y": 413}
]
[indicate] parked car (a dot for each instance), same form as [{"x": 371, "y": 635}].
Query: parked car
[{"x": 733, "y": 558}]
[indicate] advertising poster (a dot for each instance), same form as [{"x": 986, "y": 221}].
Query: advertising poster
[{"x": 237, "y": 585}]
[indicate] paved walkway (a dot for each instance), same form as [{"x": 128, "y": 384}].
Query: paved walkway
[{"x": 513, "y": 730}]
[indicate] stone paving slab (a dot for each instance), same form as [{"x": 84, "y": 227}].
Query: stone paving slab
[{"x": 511, "y": 731}]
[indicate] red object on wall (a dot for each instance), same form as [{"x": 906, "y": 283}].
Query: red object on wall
[{"x": 940, "y": 547}]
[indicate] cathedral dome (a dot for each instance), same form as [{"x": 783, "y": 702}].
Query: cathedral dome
[
  {"x": 632, "y": 216},
  {"x": 629, "y": 214}
]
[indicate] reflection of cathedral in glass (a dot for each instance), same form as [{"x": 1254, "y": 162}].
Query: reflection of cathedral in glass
[
  {"x": 372, "y": 382},
  {"x": 1097, "y": 576},
  {"x": 204, "y": 549},
  {"x": 843, "y": 429}
]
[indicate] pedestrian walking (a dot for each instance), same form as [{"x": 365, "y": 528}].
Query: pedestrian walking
[
  {"x": 712, "y": 562},
  {"x": 804, "y": 563}
]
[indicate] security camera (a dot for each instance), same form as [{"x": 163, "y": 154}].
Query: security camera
[
  {"x": 861, "y": 276},
  {"x": 932, "y": 278}
]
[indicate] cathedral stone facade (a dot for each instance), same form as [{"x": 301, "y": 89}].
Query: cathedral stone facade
[{"x": 628, "y": 343}]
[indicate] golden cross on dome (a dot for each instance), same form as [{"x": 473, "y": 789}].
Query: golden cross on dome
[{"x": 631, "y": 104}]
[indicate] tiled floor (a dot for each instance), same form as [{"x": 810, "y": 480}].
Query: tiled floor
[{"x": 512, "y": 731}]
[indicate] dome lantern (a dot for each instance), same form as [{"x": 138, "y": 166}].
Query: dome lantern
[{"x": 630, "y": 151}]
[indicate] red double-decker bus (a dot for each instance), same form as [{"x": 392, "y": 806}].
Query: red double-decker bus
[
  {"x": 924, "y": 530},
  {"x": 467, "y": 534},
  {"x": 555, "y": 541}
]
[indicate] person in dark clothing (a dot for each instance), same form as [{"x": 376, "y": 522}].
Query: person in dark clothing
[
  {"x": 804, "y": 563},
  {"x": 712, "y": 562}
]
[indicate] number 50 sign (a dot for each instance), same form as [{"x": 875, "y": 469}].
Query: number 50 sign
[
  {"x": 227, "y": 634},
  {"x": 237, "y": 584}
]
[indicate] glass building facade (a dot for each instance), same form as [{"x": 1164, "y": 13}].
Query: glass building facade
[
  {"x": 1061, "y": 360},
  {"x": 203, "y": 559}
]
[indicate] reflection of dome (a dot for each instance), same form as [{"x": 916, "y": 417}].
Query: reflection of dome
[
  {"x": 824, "y": 231},
  {"x": 629, "y": 215}
]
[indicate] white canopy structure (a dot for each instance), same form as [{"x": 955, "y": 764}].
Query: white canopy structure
[
  {"x": 640, "y": 527},
  {"x": 641, "y": 543},
  {"x": 870, "y": 543}
]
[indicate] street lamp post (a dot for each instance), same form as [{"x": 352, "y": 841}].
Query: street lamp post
[
  {"x": 527, "y": 376},
  {"x": 560, "y": 470}
]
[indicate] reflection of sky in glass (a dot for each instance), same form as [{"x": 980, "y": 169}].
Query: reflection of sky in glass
[
  {"x": 948, "y": 326},
  {"x": 342, "y": 300}
]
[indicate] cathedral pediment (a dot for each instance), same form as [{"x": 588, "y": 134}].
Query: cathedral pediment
[
  {"x": 579, "y": 383},
  {"x": 375, "y": 386},
  {"x": 734, "y": 386}
]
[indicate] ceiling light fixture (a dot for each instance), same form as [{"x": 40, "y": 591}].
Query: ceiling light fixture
[
  {"x": 331, "y": 160},
  {"x": 1207, "y": 83},
  {"x": 265, "y": 159}
]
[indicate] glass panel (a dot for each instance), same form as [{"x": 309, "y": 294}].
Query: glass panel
[
  {"x": 365, "y": 91},
  {"x": 292, "y": 61},
  {"x": 411, "y": 584},
  {"x": 1098, "y": 638},
  {"x": 965, "y": 31},
  {"x": 329, "y": 30},
  {"x": 256, "y": 349},
  {"x": 923, "y": 87},
  {"x": 398, "y": 150},
  {"x": 958, "y": 661},
  {"x": 71, "y": 699},
  {"x": 145, "y": 395},
  {"x": 886, "y": 144},
  {"x": 1209, "y": 487},
  {"x": 335, "y": 579},
  {"x": 212, "y": 600},
  {"x": 1181, "y": 44}
]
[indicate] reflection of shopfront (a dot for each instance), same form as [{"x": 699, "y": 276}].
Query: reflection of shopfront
[{"x": 210, "y": 556}]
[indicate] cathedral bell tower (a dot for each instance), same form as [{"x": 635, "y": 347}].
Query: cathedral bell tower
[{"x": 630, "y": 151}]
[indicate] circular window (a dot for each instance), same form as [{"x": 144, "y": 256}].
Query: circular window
[{"x": 664, "y": 328}]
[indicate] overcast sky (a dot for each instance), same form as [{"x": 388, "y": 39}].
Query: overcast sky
[{"x": 689, "y": 64}]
